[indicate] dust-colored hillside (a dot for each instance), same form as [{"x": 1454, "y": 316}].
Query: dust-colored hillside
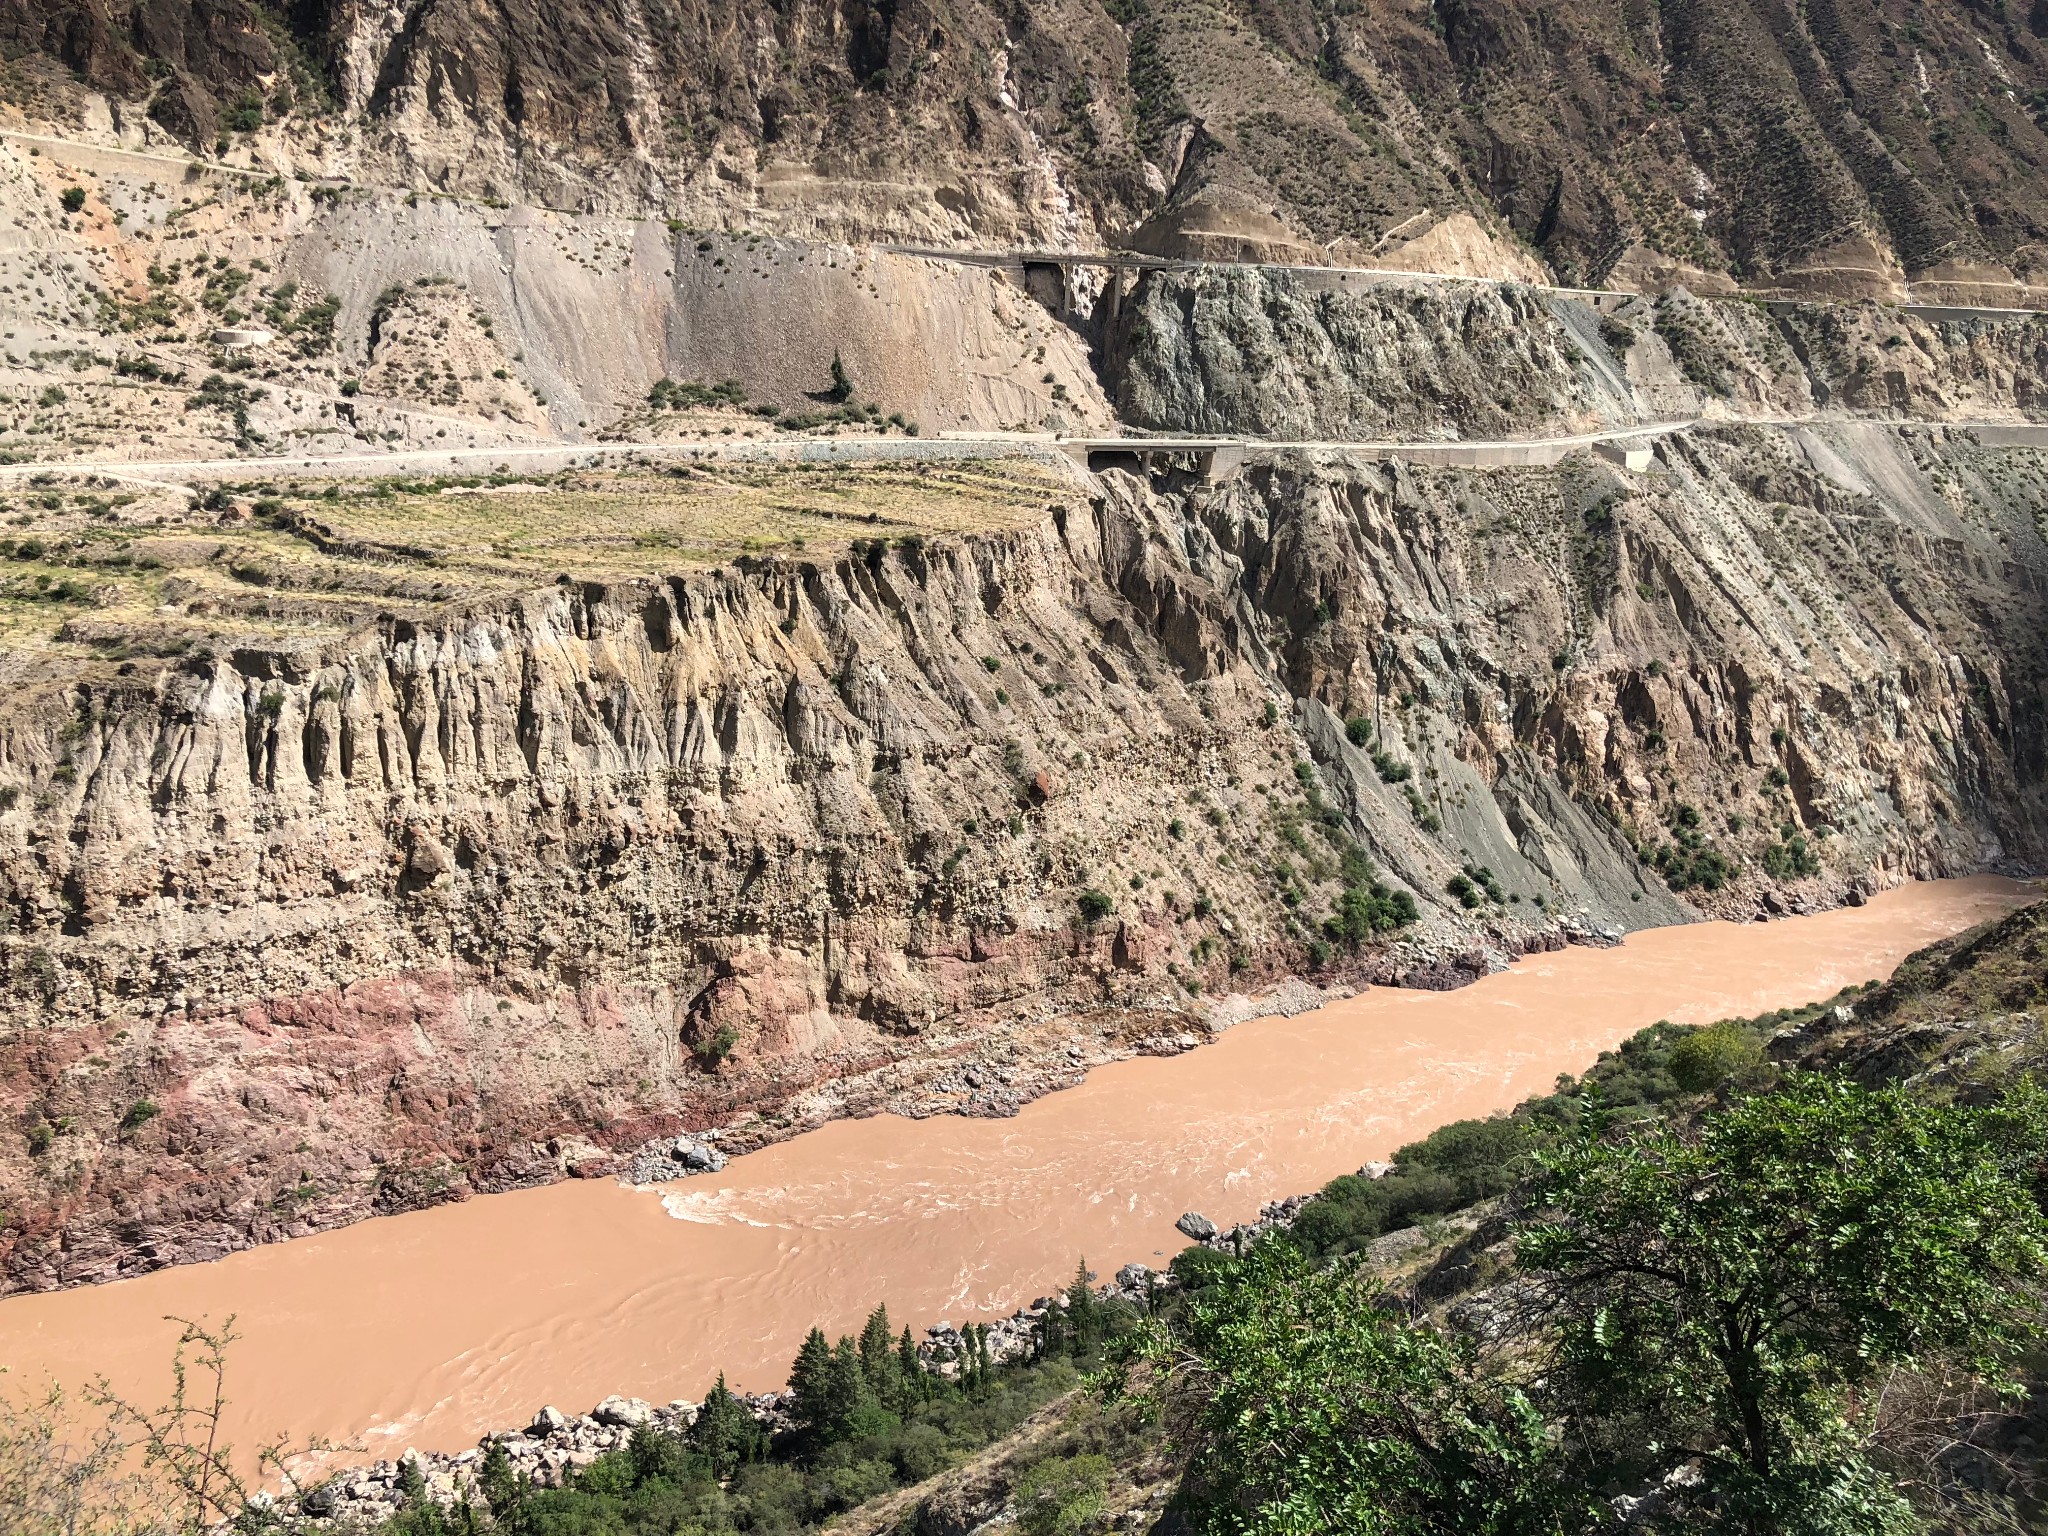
[
  {"x": 344, "y": 784},
  {"x": 524, "y": 812},
  {"x": 1829, "y": 149}
]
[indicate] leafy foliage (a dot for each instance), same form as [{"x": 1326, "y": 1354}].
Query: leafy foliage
[
  {"x": 1062, "y": 1495},
  {"x": 1467, "y": 1161},
  {"x": 1302, "y": 1407},
  {"x": 1721, "y": 1291},
  {"x": 675, "y": 395},
  {"x": 1709, "y": 1057},
  {"x": 1790, "y": 858}
]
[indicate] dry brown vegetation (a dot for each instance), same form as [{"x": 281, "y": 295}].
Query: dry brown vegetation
[{"x": 94, "y": 568}]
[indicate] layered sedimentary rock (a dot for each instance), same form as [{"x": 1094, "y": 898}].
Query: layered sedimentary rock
[
  {"x": 302, "y": 931},
  {"x": 1291, "y": 355},
  {"x": 1832, "y": 149}
]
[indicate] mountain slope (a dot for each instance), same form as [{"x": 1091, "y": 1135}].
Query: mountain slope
[{"x": 1835, "y": 147}]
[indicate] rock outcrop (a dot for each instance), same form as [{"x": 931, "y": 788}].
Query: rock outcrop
[
  {"x": 1834, "y": 151},
  {"x": 300, "y": 932},
  {"x": 1332, "y": 356}
]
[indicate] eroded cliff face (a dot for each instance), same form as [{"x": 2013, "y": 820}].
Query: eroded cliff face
[
  {"x": 1316, "y": 356},
  {"x": 301, "y": 932},
  {"x": 1831, "y": 149}
]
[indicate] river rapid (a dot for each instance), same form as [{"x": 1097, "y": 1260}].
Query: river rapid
[{"x": 427, "y": 1329}]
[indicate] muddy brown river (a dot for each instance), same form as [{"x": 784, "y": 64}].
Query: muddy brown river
[{"x": 426, "y": 1329}]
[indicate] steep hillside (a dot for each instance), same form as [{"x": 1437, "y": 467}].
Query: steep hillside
[
  {"x": 1964, "y": 1018},
  {"x": 1834, "y": 148},
  {"x": 319, "y": 910},
  {"x": 1292, "y": 355},
  {"x": 370, "y": 841}
]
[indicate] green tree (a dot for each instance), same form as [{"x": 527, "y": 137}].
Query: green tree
[
  {"x": 847, "y": 1384},
  {"x": 842, "y": 383},
  {"x": 1087, "y": 1319},
  {"x": 498, "y": 1483},
  {"x": 1062, "y": 1495},
  {"x": 412, "y": 1482},
  {"x": 909, "y": 1368},
  {"x": 1707, "y": 1058},
  {"x": 877, "y": 1355},
  {"x": 1721, "y": 1291},
  {"x": 810, "y": 1378},
  {"x": 1302, "y": 1408},
  {"x": 724, "y": 1433}
]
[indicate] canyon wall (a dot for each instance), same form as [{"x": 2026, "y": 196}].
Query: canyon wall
[
  {"x": 303, "y": 931},
  {"x": 1831, "y": 149},
  {"x": 1265, "y": 353}
]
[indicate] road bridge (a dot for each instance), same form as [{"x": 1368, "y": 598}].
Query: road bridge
[
  {"x": 1047, "y": 276},
  {"x": 1216, "y": 458}
]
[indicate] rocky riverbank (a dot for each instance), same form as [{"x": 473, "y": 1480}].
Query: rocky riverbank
[
  {"x": 498, "y": 894},
  {"x": 554, "y": 1445}
]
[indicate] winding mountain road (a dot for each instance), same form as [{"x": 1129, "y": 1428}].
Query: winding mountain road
[
  {"x": 839, "y": 450},
  {"x": 1459, "y": 453}
]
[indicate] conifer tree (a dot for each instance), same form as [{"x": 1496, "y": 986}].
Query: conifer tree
[
  {"x": 725, "y": 1433},
  {"x": 810, "y": 1379},
  {"x": 1084, "y": 1312},
  {"x": 496, "y": 1481},
  {"x": 847, "y": 1390},
  {"x": 910, "y": 1370},
  {"x": 876, "y": 1360}
]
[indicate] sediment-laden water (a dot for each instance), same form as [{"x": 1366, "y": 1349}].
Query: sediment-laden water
[{"x": 426, "y": 1329}]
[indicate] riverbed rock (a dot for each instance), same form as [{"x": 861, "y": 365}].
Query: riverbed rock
[
  {"x": 624, "y": 1412},
  {"x": 1193, "y": 1224}
]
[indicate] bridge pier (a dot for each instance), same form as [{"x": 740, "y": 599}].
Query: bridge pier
[
  {"x": 1214, "y": 461},
  {"x": 1050, "y": 283}
]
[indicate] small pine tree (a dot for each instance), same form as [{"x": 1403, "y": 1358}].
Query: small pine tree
[
  {"x": 877, "y": 1361},
  {"x": 810, "y": 1378},
  {"x": 978, "y": 1368},
  {"x": 1084, "y": 1312},
  {"x": 842, "y": 385},
  {"x": 725, "y": 1433},
  {"x": 910, "y": 1371},
  {"x": 495, "y": 1479},
  {"x": 412, "y": 1483},
  {"x": 1052, "y": 1332}
]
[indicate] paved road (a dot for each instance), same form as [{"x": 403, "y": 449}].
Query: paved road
[
  {"x": 1477, "y": 453},
  {"x": 828, "y": 450},
  {"x": 1140, "y": 261}
]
